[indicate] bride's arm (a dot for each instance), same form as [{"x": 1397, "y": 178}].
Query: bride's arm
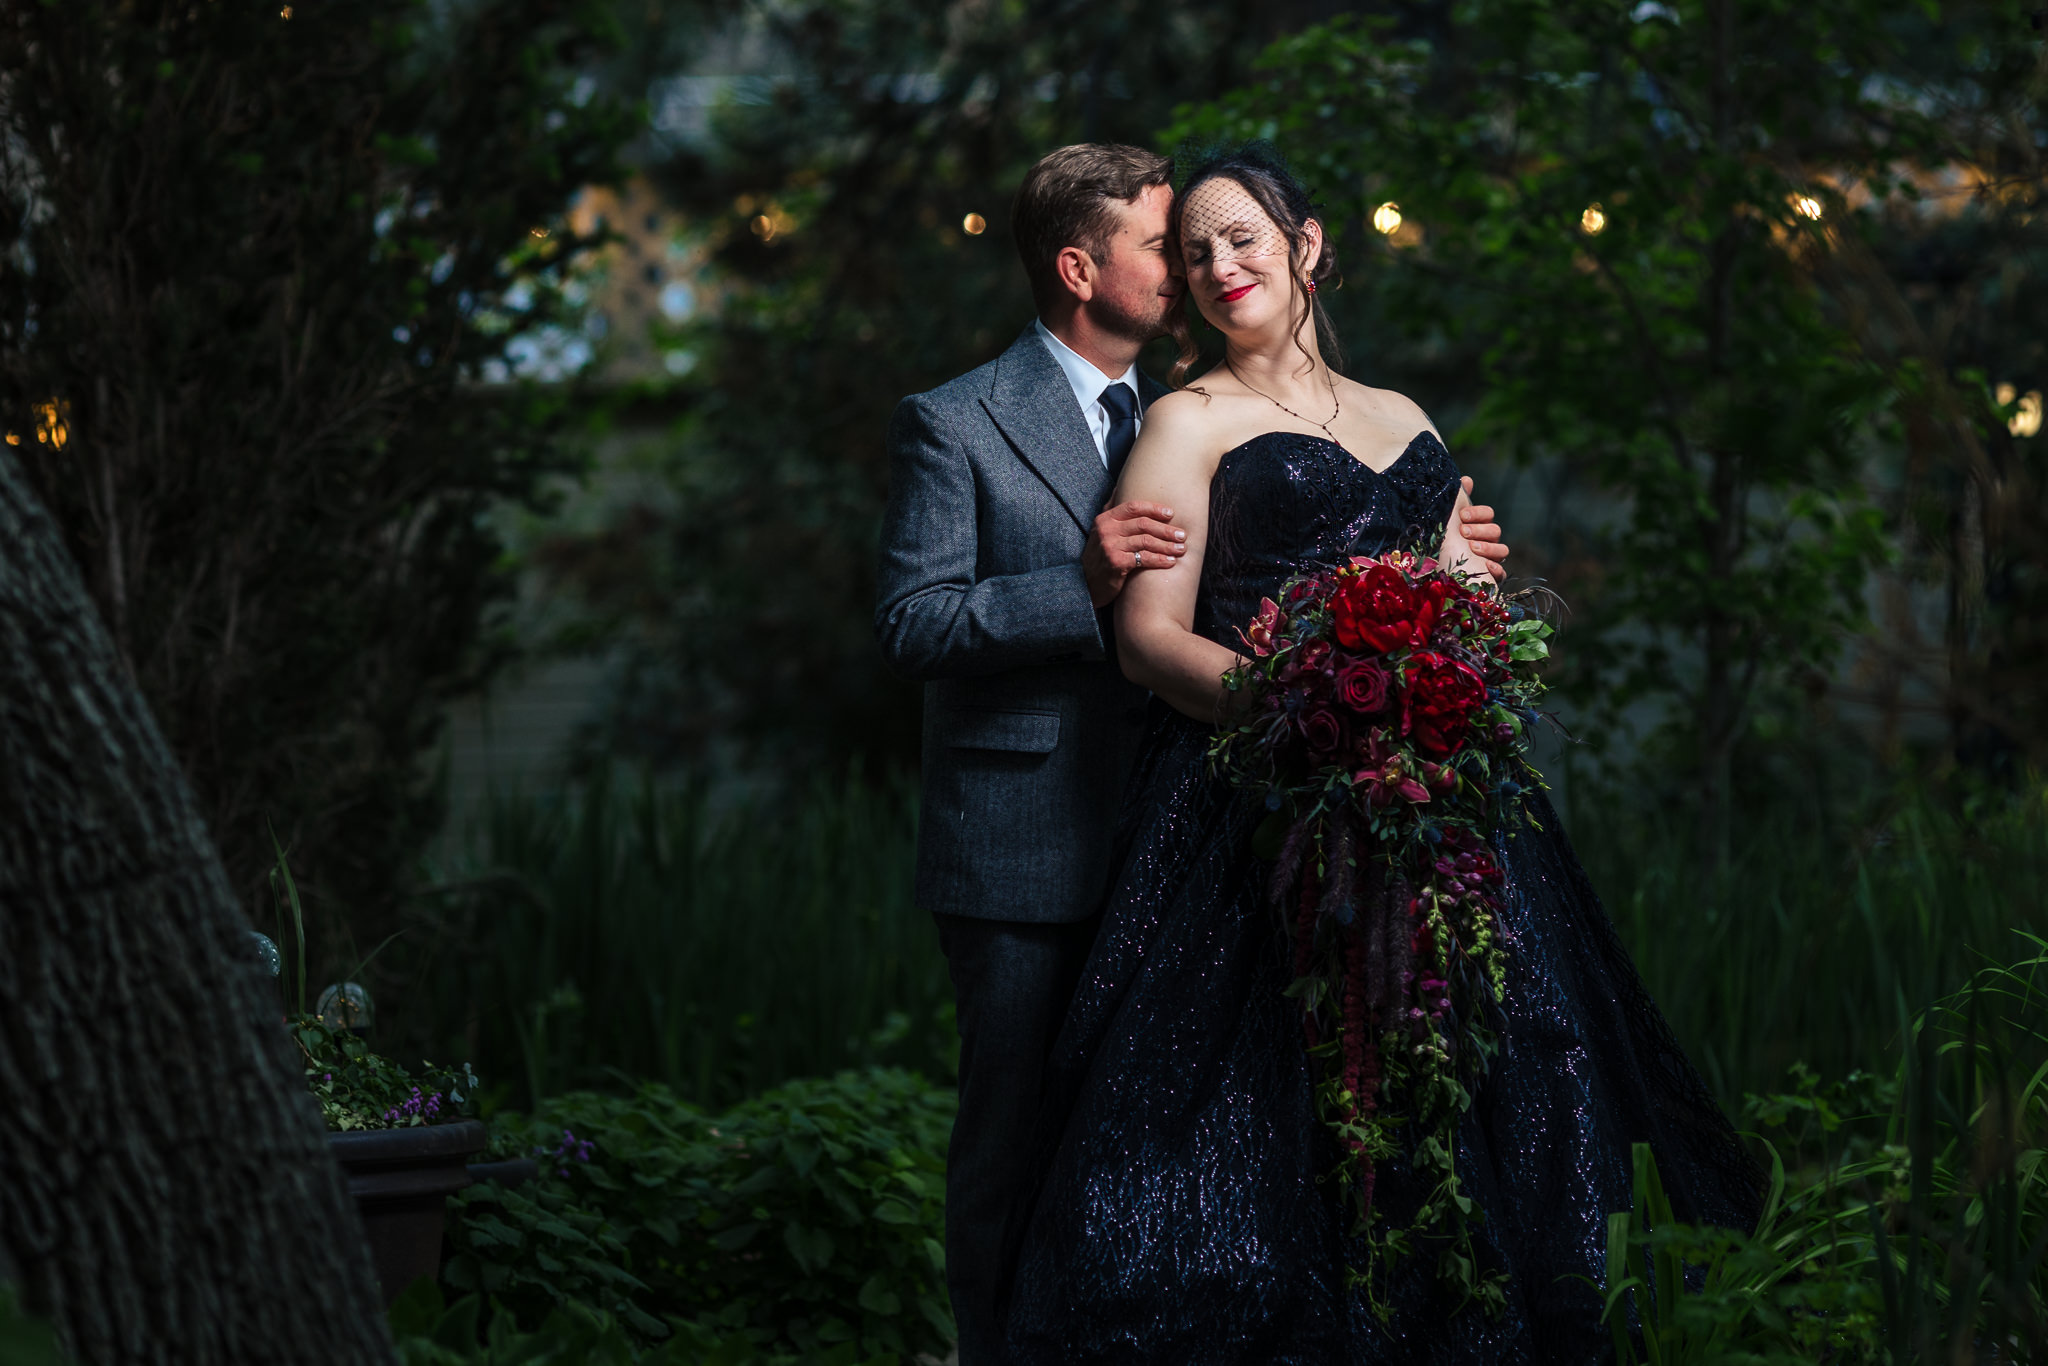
[{"x": 1172, "y": 464}]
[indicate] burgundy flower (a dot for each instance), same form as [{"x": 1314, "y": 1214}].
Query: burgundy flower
[
  {"x": 1381, "y": 611},
  {"x": 1362, "y": 686},
  {"x": 1320, "y": 728},
  {"x": 1265, "y": 626},
  {"x": 1439, "y": 696}
]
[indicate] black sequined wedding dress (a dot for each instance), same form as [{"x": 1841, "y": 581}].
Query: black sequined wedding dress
[{"x": 1177, "y": 1214}]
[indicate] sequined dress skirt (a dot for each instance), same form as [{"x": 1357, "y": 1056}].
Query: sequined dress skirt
[{"x": 1179, "y": 1212}]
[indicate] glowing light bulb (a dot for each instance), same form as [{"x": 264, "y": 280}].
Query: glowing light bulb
[
  {"x": 974, "y": 225},
  {"x": 1387, "y": 217},
  {"x": 1808, "y": 206},
  {"x": 2027, "y": 421},
  {"x": 764, "y": 227},
  {"x": 1593, "y": 221}
]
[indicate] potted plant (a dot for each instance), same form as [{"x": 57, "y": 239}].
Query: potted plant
[{"x": 402, "y": 1141}]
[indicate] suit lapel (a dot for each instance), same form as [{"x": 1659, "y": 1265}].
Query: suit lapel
[{"x": 1033, "y": 406}]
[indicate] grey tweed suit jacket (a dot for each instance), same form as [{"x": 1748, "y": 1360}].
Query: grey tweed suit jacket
[{"x": 1029, "y": 727}]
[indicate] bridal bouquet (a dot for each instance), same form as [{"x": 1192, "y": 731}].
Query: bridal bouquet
[{"x": 1383, "y": 712}]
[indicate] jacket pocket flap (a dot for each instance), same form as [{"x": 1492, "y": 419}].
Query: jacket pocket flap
[{"x": 1027, "y": 732}]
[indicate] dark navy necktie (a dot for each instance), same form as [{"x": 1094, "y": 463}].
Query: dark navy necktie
[{"x": 1122, "y": 406}]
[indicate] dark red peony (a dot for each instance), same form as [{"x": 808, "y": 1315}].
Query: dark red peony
[
  {"x": 1438, "y": 698},
  {"x": 1379, "y": 611},
  {"x": 1362, "y": 687}
]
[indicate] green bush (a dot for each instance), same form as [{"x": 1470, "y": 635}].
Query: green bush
[{"x": 806, "y": 1221}]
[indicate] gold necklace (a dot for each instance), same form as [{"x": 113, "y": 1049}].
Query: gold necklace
[{"x": 1289, "y": 411}]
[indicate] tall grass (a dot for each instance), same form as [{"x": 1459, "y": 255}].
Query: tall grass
[
  {"x": 1918, "y": 1240},
  {"x": 1801, "y": 947},
  {"x": 641, "y": 930}
]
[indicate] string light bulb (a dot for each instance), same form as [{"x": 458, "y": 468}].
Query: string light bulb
[
  {"x": 1808, "y": 207},
  {"x": 52, "y": 426},
  {"x": 2027, "y": 421},
  {"x": 974, "y": 225},
  {"x": 1387, "y": 218},
  {"x": 1593, "y": 221}
]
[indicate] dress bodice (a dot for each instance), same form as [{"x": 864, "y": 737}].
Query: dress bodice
[{"x": 1284, "y": 502}]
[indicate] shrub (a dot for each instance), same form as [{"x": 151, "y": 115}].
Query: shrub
[{"x": 806, "y": 1221}]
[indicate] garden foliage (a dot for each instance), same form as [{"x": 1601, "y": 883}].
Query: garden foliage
[
  {"x": 359, "y": 1089},
  {"x": 256, "y": 257},
  {"x": 831, "y": 192},
  {"x": 1677, "y": 254},
  {"x": 1911, "y": 1232},
  {"x": 806, "y": 1221},
  {"x": 720, "y": 947}
]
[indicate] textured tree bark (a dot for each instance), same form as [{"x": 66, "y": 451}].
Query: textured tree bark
[{"x": 166, "y": 1194}]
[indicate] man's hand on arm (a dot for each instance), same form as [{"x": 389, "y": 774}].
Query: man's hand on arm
[
  {"x": 1128, "y": 538},
  {"x": 1481, "y": 532}
]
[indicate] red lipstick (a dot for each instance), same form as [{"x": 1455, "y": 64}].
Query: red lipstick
[{"x": 1234, "y": 295}]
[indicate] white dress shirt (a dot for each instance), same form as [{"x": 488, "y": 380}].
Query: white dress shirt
[{"x": 1089, "y": 383}]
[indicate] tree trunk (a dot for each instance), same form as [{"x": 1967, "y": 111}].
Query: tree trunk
[{"x": 166, "y": 1194}]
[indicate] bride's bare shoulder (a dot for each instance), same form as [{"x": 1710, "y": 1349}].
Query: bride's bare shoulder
[
  {"x": 1184, "y": 419},
  {"x": 1395, "y": 409}
]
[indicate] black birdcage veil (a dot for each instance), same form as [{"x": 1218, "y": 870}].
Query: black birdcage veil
[{"x": 1221, "y": 221}]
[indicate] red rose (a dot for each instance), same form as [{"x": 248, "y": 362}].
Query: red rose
[
  {"x": 1379, "y": 611},
  {"x": 1438, "y": 698},
  {"x": 1322, "y": 731},
  {"x": 1362, "y": 686}
]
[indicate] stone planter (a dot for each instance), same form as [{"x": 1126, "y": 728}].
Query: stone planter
[{"x": 401, "y": 1180}]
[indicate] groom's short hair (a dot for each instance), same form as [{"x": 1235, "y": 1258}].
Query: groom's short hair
[{"x": 1069, "y": 199}]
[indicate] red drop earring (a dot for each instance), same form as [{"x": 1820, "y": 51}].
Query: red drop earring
[{"x": 1311, "y": 285}]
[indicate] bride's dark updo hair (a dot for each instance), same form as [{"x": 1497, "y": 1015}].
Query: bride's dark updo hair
[{"x": 1258, "y": 169}]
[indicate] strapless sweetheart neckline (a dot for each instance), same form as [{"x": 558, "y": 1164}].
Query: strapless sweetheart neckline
[{"x": 1383, "y": 470}]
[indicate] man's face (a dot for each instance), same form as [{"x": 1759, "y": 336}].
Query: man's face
[{"x": 1136, "y": 286}]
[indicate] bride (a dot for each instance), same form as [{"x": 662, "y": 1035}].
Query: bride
[{"x": 1179, "y": 1210}]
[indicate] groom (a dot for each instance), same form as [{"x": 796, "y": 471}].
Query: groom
[{"x": 999, "y": 564}]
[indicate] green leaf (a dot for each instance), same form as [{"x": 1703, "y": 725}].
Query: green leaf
[{"x": 877, "y": 1298}]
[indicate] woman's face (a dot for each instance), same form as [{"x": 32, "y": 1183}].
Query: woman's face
[{"x": 1237, "y": 261}]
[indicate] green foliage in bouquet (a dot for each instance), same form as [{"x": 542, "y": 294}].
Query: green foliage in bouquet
[
  {"x": 808, "y": 1220},
  {"x": 361, "y": 1089}
]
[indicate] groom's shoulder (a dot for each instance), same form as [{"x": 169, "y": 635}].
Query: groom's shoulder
[{"x": 967, "y": 391}]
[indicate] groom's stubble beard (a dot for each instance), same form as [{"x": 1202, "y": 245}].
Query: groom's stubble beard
[{"x": 1133, "y": 326}]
